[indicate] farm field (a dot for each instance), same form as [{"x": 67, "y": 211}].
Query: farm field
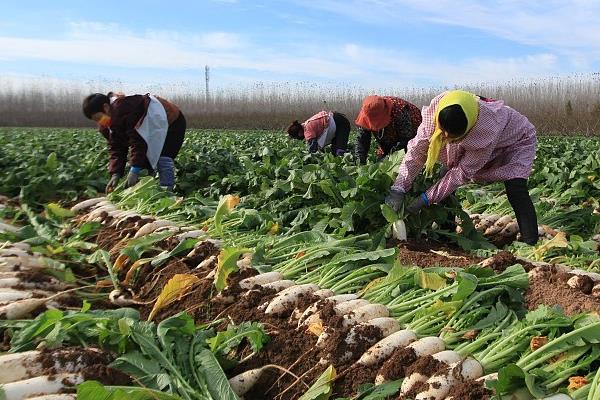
[{"x": 271, "y": 273}]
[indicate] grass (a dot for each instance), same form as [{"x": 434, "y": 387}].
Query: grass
[{"x": 556, "y": 105}]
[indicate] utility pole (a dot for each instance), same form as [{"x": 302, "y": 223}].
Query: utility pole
[{"x": 207, "y": 78}]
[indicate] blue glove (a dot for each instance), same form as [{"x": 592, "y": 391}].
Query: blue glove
[
  {"x": 418, "y": 203},
  {"x": 133, "y": 177},
  {"x": 166, "y": 172},
  {"x": 395, "y": 199}
]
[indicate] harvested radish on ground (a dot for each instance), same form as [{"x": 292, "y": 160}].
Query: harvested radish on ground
[
  {"x": 385, "y": 347},
  {"x": 261, "y": 279},
  {"x": 244, "y": 382},
  {"x": 439, "y": 385},
  {"x": 278, "y": 286},
  {"x": 40, "y": 385},
  {"x": 84, "y": 205},
  {"x": 342, "y": 308},
  {"x": 315, "y": 307},
  {"x": 395, "y": 366},
  {"x": 361, "y": 314},
  {"x": 365, "y": 334},
  {"x": 443, "y": 359},
  {"x": 150, "y": 227},
  {"x": 287, "y": 299},
  {"x": 386, "y": 324},
  {"x": 582, "y": 283},
  {"x": 8, "y": 295},
  {"x": 61, "y": 396},
  {"x": 19, "y": 366}
]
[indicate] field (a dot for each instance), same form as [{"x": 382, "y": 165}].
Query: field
[{"x": 275, "y": 274}]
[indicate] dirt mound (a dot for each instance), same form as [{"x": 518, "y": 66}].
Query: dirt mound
[
  {"x": 551, "y": 288},
  {"x": 420, "y": 254}
]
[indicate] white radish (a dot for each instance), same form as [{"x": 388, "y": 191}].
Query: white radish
[
  {"x": 97, "y": 213},
  {"x": 21, "y": 246},
  {"x": 7, "y": 295},
  {"x": 365, "y": 313},
  {"x": 426, "y": 346},
  {"x": 386, "y": 346},
  {"x": 14, "y": 252},
  {"x": 191, "y": 235},
  {"x": 489, "y": 377},
  {"x": 242, "y": 383},
  {"x": 386, "y": 324},
  {"x": 85, "y": 204},
  {"x": 323, "y": 293},
  {"x": 399, "y": 230},
  {"x": 206, "y": 263},
  {"x": 362, "y": 314},
  {"x": 288, "y": 298},
  {"x": 21, "y": 308},
  {"x": 447, "y": 357},
  {"x": 150, "y": 227},
  {"x": 440, "y": 385},
  {"x": 16, "y": 366},
  {"x": 51, "y": 284},
  {"x": 278, "y": 286},
  {"x": 40, "y": 385},
  {"x": 492, "y": 230},
  {"x": 503, "y": 221},
  {"x": 261, "y": 279},
  {"x": 341, "y": 308},
  {"x": 61, "y": 396},
  {"x": 510, "y": 229},
  {"x": 8, "y": 228},
  {"x": 315, "y": 306}
]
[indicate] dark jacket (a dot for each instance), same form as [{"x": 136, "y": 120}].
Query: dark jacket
[
  {"x": 406, "y": 118},
  {"x": 126, "y": 114}
]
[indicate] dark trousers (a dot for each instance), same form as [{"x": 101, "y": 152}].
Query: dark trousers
[
  {"x": 519, "y": 199},
  {"x": 174, "y": 139},
  {"x": 342, "y": 133}
]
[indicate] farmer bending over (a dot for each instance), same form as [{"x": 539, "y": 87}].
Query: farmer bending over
[
  {"x": 392, "y": 120},
  {"x": 153, "y": 127},
  {"x": 476, "y": 139},
  {"x": 323, "y": 129}
]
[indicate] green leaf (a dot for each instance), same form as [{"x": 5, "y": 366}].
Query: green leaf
[
  {"x": 60, "y": 213},
  {"x": 227, "y": 264},
  {"x": 321, "y": 389},
  {"x": 467, "y": 284},
  {"x": 223, "y": 342},
  {"x": 217, "y": 382},
  {"x": 379, "y": 392},
  {"x": 389, "y": 214},
  {"x": 51, "y": 162},
  {"x": 92, "y": 390},
  {"x": 510, "y": 378},
  {"x": 183, "y": 246},
  {"x": 429, "y": 280}
]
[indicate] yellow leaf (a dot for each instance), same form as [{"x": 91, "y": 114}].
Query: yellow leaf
[
  {"x": 274, "y": 229},
  {"x": 558, "y": 241},
  {"x": 120, "y": 262},
  {"x": 232, "y": 201},
  {"x": 316, "y": 328},
  {"x": 134, "y": 267},
  {"x": 177, "y": 287},
  {"x": 576, "y": 382}
]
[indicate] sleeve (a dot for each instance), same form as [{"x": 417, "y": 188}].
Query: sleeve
[
  {"x": 416, "y": 154},
  {"x": 363, "y": 144},
  {"x": 117, "y": 153},
  {"x": 315, "y": 126},
  {"x": 138, "y": 149},
  {"x": 477, "y": 153}
]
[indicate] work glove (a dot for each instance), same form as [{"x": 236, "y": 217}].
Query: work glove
[
  {"x": 418, "y": 203},
  {"x": 395, "y": 199},
  {"x": 133, "y": 177},
  {"x": 112, "y": 183}
]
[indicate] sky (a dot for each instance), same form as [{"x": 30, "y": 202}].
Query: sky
[{"x": 368, "y": 43}]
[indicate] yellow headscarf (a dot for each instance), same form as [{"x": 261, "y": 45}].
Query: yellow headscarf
[{"x": 470, "y": 106}]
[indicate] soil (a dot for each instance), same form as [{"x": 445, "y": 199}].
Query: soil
[
  {"x": 553, "y": 289},
  {"x": 93, "y": 363},
  {"x": 427, "y": 366},
  {"x": 348, "y": 383},
  {"x": 419, "y": 253},
  {"x": 397, "y": 365},
  {"x": 500, "y": 261},
  {"x": 470, "y": 390}
]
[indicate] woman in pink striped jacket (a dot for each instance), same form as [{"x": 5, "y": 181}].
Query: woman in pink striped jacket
[
  {"x": 323, "y": 129},
  {"x": 476, "y": 140}
]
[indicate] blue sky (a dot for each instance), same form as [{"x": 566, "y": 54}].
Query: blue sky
[{"x": 370, "y": 43}]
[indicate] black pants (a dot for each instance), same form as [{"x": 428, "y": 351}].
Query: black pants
[
  {"x": 519, "y": 199},
  {"x": 174, "y": 139},
  {"x": 342, "y": 133}
]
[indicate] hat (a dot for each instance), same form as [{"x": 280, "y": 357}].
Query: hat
[{"x": 375, "y": 113}]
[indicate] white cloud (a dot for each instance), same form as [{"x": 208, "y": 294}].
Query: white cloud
[{"x": 569, "y": 28}]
